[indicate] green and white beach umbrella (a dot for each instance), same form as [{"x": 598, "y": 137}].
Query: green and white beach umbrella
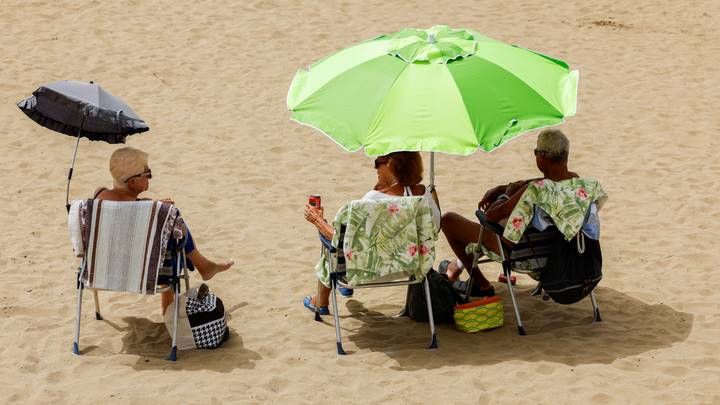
[{"x": 436, "y": 90}]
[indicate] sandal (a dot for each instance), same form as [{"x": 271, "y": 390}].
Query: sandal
[
  {"x": 461, "y": 287},
  {"x": 346, "y": 292},
  {"x": 307, "y": 302},
  {"x": 503, "y": 279},
  {"x": 443, "y": 266}
]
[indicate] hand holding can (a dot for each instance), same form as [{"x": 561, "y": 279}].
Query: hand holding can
[{"x": 315, "y": 201}]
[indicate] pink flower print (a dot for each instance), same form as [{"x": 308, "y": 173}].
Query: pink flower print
[
  {"x": 424, "y": 250},
  {"x": 582, "y": 194},
  {"x": 412, "y": 250},
  {"x": 393, "y": 209},
  {"x": 517, "y": 223},
  {"x": 349, "y": 255},
  {"x": 540, "y": 183}
]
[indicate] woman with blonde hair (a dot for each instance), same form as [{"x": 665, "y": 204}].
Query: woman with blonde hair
[{"x": 131, "y": 177}]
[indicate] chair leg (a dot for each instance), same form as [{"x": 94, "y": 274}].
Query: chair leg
[
  {"x": 176, "y": 312},
  {"x": 596, "y": 309},
  {"x": 333, "y": 285},
  {"x": 176, "y": 307},
  {"x": 97, "y": 305},
  {"x": 76, "y": 342},
  {"x": 431, "y": 318},
  {"x": 186, "y": 274},
  {"x": 521, "y": 328}
]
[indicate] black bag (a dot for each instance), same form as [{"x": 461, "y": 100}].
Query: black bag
[
  {"x": 443, "y": 296},
  {"x": 572, "y": 272}
]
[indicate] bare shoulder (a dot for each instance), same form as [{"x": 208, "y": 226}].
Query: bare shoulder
[
  {"x": 111, "y": 195},
  {"x": 417, "y": 189},
  {"x": 100, "y": 191}
]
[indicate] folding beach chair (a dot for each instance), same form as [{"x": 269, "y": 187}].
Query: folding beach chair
[
  {"x": 123, "y": 247},
  {"x": 535, "y": 247},
  {"x": 337, "y": 258}
]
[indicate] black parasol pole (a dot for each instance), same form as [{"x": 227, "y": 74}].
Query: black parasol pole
[{"x": 72, "y": 165}]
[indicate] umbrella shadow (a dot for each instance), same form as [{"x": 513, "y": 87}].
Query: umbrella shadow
[{"x": 556, "y": 333}]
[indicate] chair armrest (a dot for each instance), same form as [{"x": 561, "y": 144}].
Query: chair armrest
[
  {"x": 493, "y": 226},
  {"x": 327, "y": 244}
]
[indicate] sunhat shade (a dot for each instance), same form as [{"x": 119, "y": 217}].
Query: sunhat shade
[
  {"x": 435, "y": 90},
  {"x": 67, "y": 105}
]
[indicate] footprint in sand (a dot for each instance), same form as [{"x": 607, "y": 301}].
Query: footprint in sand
[{"x": 276, "y": 384}]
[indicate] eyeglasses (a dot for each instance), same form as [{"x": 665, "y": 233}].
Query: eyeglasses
[
  {"x": 540, "y": 152},
  {"x": 380, "y": 161},
  {"x": 147, "y": 173}
]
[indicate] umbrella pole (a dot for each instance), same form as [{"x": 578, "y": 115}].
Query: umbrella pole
[
  {"x": 432, "y": 169},
  {"x": 72, "y": 165}
]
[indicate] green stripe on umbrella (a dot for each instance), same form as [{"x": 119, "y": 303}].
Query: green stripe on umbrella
[{"x": 435, "y": 90}]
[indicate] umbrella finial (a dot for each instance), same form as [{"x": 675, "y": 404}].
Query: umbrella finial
[{"x": 431, "y": 38}]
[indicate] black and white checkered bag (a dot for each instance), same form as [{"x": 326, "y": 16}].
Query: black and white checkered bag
[
  {"x": 203, "y": 323},
  {"x": 207, "y": 320}
]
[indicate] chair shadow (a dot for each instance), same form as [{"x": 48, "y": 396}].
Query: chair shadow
[
  {"x": 151, "y": 342},
  {"x": 556, "y": 333}
]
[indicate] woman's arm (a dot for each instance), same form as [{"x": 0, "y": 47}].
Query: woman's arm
[{"x": 315, "y": 216}]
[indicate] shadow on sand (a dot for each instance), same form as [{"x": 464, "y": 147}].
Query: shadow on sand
[
  {"x": 557, "y": 333},
  {"x": 151, "y": 342}
]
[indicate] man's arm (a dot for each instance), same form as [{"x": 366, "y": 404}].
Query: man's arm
[{"x": 502, "y": 209}]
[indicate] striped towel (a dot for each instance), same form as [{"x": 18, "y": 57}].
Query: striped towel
[{"x": 125, "y": 243}]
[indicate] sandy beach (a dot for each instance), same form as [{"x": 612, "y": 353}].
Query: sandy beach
[{"x": 210, "y": 78}]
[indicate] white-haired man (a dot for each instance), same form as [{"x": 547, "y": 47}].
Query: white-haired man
[{"x": 551, "y": 157}]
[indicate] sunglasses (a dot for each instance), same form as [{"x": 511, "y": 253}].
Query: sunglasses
[
  {"x": 147, "y": 173},
  {"x": 380, "y": 161},
  {"x": 540, "y": 152}
]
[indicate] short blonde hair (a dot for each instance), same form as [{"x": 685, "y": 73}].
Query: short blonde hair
[
  {"x": 555, "y": 144},
  {"x": 125, "y": 163}
]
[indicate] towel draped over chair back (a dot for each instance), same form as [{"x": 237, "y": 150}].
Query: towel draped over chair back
[
  {"x": 383, "y": 240},
  {"x": 125, "y": 243}
]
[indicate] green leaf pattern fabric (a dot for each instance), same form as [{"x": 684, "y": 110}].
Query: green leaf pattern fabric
[
  {"x": 565, "y": 201},
  {"x": 387, "y": 239}
]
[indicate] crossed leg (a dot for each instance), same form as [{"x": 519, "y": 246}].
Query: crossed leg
[{"x": 459, "y": 232}]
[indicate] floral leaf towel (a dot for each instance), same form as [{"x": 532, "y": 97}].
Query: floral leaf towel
[
  {"x": 566, "y": 202},
  {"x": 384, "y": 240}
]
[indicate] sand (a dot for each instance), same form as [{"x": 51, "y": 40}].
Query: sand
[{"x": 211, "y": 78}]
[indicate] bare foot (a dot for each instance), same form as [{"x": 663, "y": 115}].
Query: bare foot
[
  {"x": 215, "y": 268},
  {"x": 454, "y": 272}
]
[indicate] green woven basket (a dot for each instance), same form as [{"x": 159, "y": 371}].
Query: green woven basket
[{"x": 479, "y": 315}]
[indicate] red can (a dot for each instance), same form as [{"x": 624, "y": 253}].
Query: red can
[{"x": 314, "y": 200}]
